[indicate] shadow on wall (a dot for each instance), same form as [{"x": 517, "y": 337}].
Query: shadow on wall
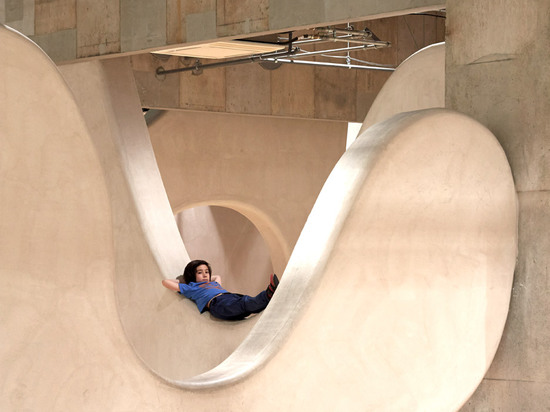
[{"x": 230, "y": 243}]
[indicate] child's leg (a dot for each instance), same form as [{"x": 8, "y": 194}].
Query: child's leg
[
  {"x": 232, "y": 306},
  {"x": 255, "y": 304},
  {"x": 259, "y": 302}
]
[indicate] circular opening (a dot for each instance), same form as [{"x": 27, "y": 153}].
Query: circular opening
[{"x": 230, "y": 243}]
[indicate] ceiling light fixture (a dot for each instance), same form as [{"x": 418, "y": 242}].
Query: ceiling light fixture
[{"x": 223, "y": 49}]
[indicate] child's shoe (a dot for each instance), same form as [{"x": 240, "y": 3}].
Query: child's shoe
[{"x": 273, "y": 283}]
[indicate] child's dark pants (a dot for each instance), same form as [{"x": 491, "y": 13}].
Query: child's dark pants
[{"x": 233, "y": 306}]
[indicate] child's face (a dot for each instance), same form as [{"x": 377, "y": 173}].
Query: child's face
[{"x": 202, "y": 274}]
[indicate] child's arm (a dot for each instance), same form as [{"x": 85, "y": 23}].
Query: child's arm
[
  {"x": 171, "y": 284},
  {"x": 217, "y": 279}
]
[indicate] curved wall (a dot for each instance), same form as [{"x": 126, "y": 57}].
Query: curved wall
[
  {"x": 399, "y": 303},
  {"x": 58, "y": 318},
  {"x": 418, "y": 83},
  {"x": 147, "y": 244},
  {"x": 408, "y": 290},
  {"x": 269, "y": 170}
]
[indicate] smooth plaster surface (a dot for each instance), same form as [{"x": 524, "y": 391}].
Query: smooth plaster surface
[
  {"x": 421, "y": 254},
  {"x": 270, "y": 170},
  {"x": 418, "y": 83},
  {"x": 147, "y": 244},
  {"x": 504, "y": 87}
]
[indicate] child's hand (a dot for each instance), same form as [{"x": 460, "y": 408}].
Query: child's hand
[{"x": 217, "y": 279}]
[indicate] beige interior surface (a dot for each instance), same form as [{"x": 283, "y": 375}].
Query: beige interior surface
[
  {"x": 394, "y": 297},
  {"x": 269, "y": 169},
  {"x": 418, "y": 83},
  {"x": 408, "y": 290},
  {"x": 157, "y": 322}
]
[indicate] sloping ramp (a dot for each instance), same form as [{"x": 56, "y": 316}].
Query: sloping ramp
[
  {"x": 394, "y": 298},
  {"x": 418, "y": 83}
]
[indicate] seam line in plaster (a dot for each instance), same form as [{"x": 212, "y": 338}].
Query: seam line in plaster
[
  {"x": 493, "y": 58},
  {"x": 516, "y": 380}
]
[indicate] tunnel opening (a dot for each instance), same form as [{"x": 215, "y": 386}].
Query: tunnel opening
[{"x": 231, "y": 243}]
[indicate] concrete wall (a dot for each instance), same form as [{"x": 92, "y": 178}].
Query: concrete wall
[
  {"x": 497, "y": 72},
  {"x": 70, "y": 29}
]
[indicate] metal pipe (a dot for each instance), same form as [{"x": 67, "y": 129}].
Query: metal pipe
[
  {"x": 276, "y": 57},
  {"x": 342, "y": 49},
  {"x": 366, "y": 34},
  {"x": 309, "y": 40},
  {"x": 375, "y": 43},
  {"x": 347, "y": 66},
  {"x": 351, "y": 36},
  {"x": 198, "y": 67}
]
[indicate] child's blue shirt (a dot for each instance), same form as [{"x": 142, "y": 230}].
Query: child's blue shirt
[{"x": 201, "y": 293}]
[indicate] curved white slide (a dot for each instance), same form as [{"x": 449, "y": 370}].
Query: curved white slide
[
  {"x": 394, "y": 298},
  {"x": 418, "y": 83}
]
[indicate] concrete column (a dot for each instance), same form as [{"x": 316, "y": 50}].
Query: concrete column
[{"x": 497, "y": 72}]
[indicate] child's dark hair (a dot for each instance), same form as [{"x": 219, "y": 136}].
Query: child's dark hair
[{"x": 190, "y": 271}]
